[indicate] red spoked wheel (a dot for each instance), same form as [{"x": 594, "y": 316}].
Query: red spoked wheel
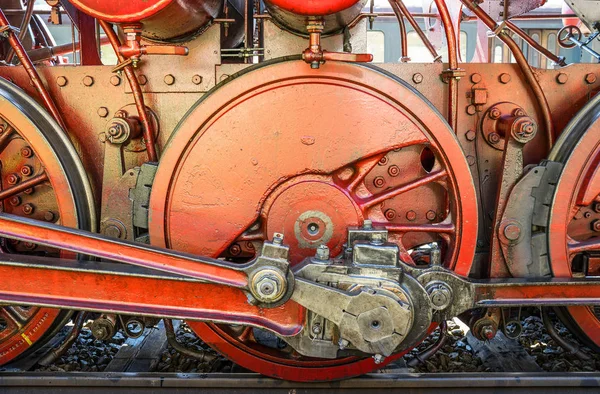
[
  {"x": 574, "y": 224},
  {"x": 41, "y": 178},
  {"x": 309, "y": 153}
]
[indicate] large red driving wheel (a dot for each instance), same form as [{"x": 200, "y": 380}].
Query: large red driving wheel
[
  {"x": 574, "y": 225},
  {"x": 308, "y": 153},
  {"x": 40, "y": 178}
]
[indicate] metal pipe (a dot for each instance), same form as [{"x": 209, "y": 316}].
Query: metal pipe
[
  {"x": 16, "y": 45},
  {"x": 138, "y": 96},
  {"x": 203, "y": 356},
  {"x": 558, "y": 60},
  {"x": 41, "y": 54},
  {"x": 55, "y": 353},
  {"x": 22, "y": 29},
  {"x": 452, "y": 62},
  {"x": 567, "y": 345},
  {"x": 403, "y": 35},
  {"x": 427, "y": 353},
  {"x": 417, "y": 29},
  {"x": 536, "y": 88}
]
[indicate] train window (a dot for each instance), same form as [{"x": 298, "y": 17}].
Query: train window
[
  {"x": 376, "y": 45},
  {"x": 418, "y": 53},
  {"x": 498, "y": 54},
  {"x": 534, "y": 56}
]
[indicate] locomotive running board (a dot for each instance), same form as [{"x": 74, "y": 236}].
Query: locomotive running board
[{"x": 198, "y": 288}]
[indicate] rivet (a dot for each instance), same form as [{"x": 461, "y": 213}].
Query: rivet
[
  {"x": 169, "y": 79},
  {"x": 411, "y": 216}
]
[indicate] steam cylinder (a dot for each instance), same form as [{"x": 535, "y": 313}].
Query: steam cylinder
[
  {"x": 162, "y": 20},
  {"x": 293, "y": 15}
]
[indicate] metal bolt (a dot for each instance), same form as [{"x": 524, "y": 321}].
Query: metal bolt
[
  {"x": 378, "y": 358},
  {"x": 316, "y": 329},
  {"x": 29, "y": 245},
  {"x": 383, "y": 161},
  {"x": 115, "y": 80},
  {"x": 590, "y": 78},
  {"x": 26, "y": 170},
  {"x": 505, "y": 78},
  {"x": 26, "y": 152},
  {"x": 13, "y": 179},
  {"x": 471, "y": 110},
  {"x": 197, "y": 79},
  {"x": 495, "y": 113},
  {"x": 379, "y": 182},
  {"x": 142, "y": 80},
  {"x": 62, "y": 81},
  {"x": 377, "y": 239},
  {"x": 49, "y": 216},
  {"x": 29, "y": 191},
  {"x": 527, "y": 128},
  {"x": 103, "y": 112},
  {"x": 562, "y": 78},
  {"x": 440, "y": 296},
  {"x": 169, "y": 79},
  {"x": 488, "y": 332},
  {"x": 368, "y": 224},
  {"x": 411, "y": 216},
  {"x": 512, "y": 232},
  {"x": 116, "y": 131},
  {"x": 390, "y": 214},
  {"x": 28, "y": 209},
  {"x": 322, "y": 253},
  {"x": 597, "y": 207},
  {"x": 112, "y": 231},
  {"x": 470, "y": 135},
  {"x": 431, "y": 215},
  {"x": 235, "y": 249},
  {"x": 476, "y": 78},
  {"x": 587, "y": 215},
  {"x": 267, "y": 286},
  {"x": 394, "y": 171},
  {"x": 471, "y": 160},
  {"x": 519, "y": 112},
  {"x": 494, "y": 138},
  {"x": 15, "y": 201},
  {"x": 596, "y": 225},
  {"x": 278, "y": 239},
  {"x": 88, "y": 81},
  {"x": 343, "y": 343},
  {"x": 417, "y": 78}
]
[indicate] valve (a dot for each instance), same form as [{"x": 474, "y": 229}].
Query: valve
[
  {"x": 133, "y": 49},
  {"x": 315, "y": 55}
]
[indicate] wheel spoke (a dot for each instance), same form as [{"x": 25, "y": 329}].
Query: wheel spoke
[
  {"x": 21, "y": 187},
  {"x": 362, "y": 169},
  {"x": 592, "y": 245},
  {"x": 14, "y": 316},
  {"x": 391, "y": 193}
]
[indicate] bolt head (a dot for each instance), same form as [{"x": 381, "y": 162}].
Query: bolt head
[
  {"x": 411, "y": 216},
  {"x": 28, "y": 209},
  {"x": 431, "y": 215},
  {"x": 494, "y": 138},
  {"x": 597, "y": 207},
  {"x": 49, "y": 216},
  {"x": 591, "y": 78},
  {"x": 115, "y": 80},
  {"x": 512, "y": 232},
  {"x": 379, "y": 182},
  {"x": 390, "y": 214},
  {"x": 197, "y": 79},
  {"x": 316, "y": 329},
  {"x": 471, "y": 110},
  {"x": 394, "y": 171},
  {"x": 505, "y": 78},
  {"x": 368, "y": 224},
  {"x": 562, "y": 78},
  {"x": 418, "y": 78},
  {"x": 88, "y": 81},
  {"x": 26, "y": 170},
  {"x": 103, "y": 112},
  {"x": 440, "y": 296},
  {"x": 495, "y": 113},
  {"x": 169, "y": 79},
  {"x": 470, "y": 135},
  {"x": 13, "y": 179},
  {"x": 476, "y": 78},
  {"x": 322, "y": 253},
  {"x": 62, "y": 81},
  {"x": 596, "y": 225}
]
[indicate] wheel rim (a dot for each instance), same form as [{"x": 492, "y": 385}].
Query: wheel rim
[
  {"x": 332, "y": 186},
  {"x": 570, "y": 229},
  {"x": 33, "y": 152}
]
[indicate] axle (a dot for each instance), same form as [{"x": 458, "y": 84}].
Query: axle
[{"x": 376, "y": 303}]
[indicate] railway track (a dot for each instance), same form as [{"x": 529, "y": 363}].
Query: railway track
[{"x": 514, "y": 383}]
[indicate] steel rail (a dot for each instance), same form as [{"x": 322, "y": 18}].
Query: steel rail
[{"x": 388, "y": 383}]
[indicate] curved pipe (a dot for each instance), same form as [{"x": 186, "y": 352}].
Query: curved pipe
[
  {"x": 426, "y": 354},
  {"x": 22, "y": 29},
  {"x": 172, "y": 338},
  {"x": 452, "y": 62},
  {"x": 524, "y": 66},
  {"x": 138, "y": 96},
  {"x": 415, "y": 25},
  {"x": 558, "y": 60},
  {"x": 402, "y": 26},
  {"x": 54, "y": 354},
  {"x": 567, "y": 345}
]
